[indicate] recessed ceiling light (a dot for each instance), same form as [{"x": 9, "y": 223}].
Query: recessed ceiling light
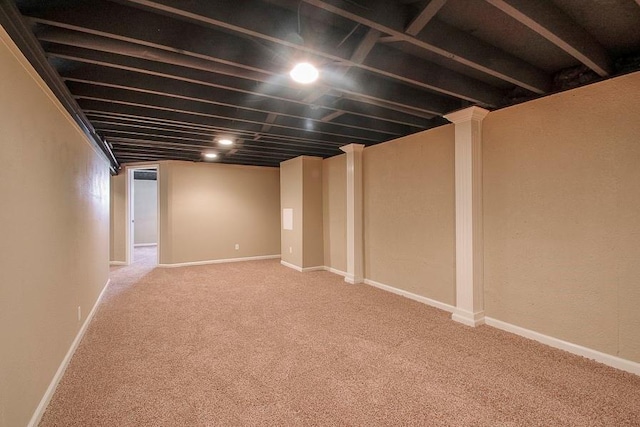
[
  {"x": 210, "y": 155},
  {"x": 304, "y": 73},
  {"x": 225, "y": 141}
]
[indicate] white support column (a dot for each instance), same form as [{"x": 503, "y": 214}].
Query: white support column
[
  {"x": 355, "y": 249},
  {"x": 469, "y": 244}
]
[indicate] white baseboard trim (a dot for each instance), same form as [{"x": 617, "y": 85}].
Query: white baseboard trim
[
  {"x": 301, "y": 269},
  {"x": 289, "y": 265},
  {"x": 598, "y": 356},
  {"x": 140, "y": 245},
  {"x": 220, "y": 261},
  {"x": 468, "y": 318},
  {"x": 44, "y": 402},
  {"x": 117, "y": 263},
  {"x": 415, "y": 297},
  {"x": 336, "y": 271}
]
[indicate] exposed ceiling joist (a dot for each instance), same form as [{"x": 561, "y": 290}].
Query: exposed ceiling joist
[
  {"x": 365, "y": 46},
  {"x": 426, "y": 106},
  {"x": 332, "y": 116},
  {"x": 132, "y": 99},
  {"x": 454, "y": 45},
  {"x": 145, "y": 115},
  {"x": 104, "y": 103},
  {"x": 423, "y": 18},
  {"x": 112, "y": 130},
  {"x": 271, "y": 118},
  {"x": 254, "y": 91},
  {"x": 135, "y": 121},
  {"x": 12, "y": 21},
  {"x": 551, "y": 23},
  {"x": 231, "y": 17},
  {"x": 175, "y": 76},
  {"x": 158, "y": 145},
  {"x": 206, "y": 97},
  {"x": 359, "y": 54},
  {"x": 157, "y": 142}
]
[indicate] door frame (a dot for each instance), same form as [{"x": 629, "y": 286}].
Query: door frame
[{"x": 129, "y": 221}]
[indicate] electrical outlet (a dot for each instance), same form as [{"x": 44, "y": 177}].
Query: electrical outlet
[
  {"x": 237, "y": 246},
  {"x": 290, "y": 250},
  {"x": 79, "y": 313}
]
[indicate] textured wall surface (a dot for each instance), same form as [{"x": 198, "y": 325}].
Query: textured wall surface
[
  {"x": 334, "y": 202},
  {"x": 409, "y": 225},
  {"x": 291, "y": 198},
  {"x": 313, "y": 248},
  {"x": 118, "y": 218},
  {"x": 562, "y": 216},
  {"x": 209, "y": 208},
  {"x": 54, "y": 221},
  {"x": 301, "y": 190}
]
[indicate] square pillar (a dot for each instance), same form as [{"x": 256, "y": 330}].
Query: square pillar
[
  {"x": 355, "y": 248},
  {"x": 469, "y": 227}
]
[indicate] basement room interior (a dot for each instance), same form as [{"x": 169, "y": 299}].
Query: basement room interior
[{"x": 320, "y": 212}]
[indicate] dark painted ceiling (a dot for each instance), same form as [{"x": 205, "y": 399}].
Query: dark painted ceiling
[{"x": 161, "y": 79}]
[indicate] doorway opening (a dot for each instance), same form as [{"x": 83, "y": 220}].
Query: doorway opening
[{"x": 143, "y": 215}]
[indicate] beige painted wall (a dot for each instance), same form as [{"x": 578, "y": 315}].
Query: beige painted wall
[
  {"x": 54, "y": 224},
  {"x": 562, "y": 216},
  {"x": 117, "y": 218},
  {"x": 409, "y": 214},
  {"x": 211, "y": 207},
  {"x": 313, "y": 247},
  {"x": 291, "y": 198},
  {"x": 165, "y": 195},
  {"x": 334, "y": 196},
  {"x": 301, "y": 190},
  {"x": 145, "y": 202}
]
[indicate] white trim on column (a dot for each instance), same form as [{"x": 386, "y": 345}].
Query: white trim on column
[
  {"x": 469, "y": 231},
  {"x": 470, "y": 113},
  {"x": 317, "y": 268},
  {"x": 302, "y": 269},
  {"x": 468, "y": 318},
  {"x": 355, "y": 248},
  {"x": 42, "y": 406}
]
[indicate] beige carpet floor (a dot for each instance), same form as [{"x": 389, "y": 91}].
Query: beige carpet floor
[{"x": 258, "y": 344}]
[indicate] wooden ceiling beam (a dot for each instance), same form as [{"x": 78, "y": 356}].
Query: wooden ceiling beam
[
  {"x": 189, "y": 92},
  {"x": 332, "y": 116},
  {"x": 128, "y": 55},
  {"x": 259, "y": 93},
  {"x": 132, "y": 131},
  {"x": 146, "y": 115},
  {"x": 554, "y": 25},
  {"x": 249, "y": 118},
  {"x": 153, "y": 142},
  {"x": 271, "y": 118},
  {"x": 422, "y": 19},
  {"x": 275, "y": 50},
  {"x": 387, "y": 17},
  {"x": 358, "y": 56},
  {"x": 111, "y": 104}
]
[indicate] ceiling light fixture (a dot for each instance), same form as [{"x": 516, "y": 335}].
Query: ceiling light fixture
[
  {"x": 304, "y": 73},
  {"x": 210, "y": 155},
  {"x": 225, "y": 141}
]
